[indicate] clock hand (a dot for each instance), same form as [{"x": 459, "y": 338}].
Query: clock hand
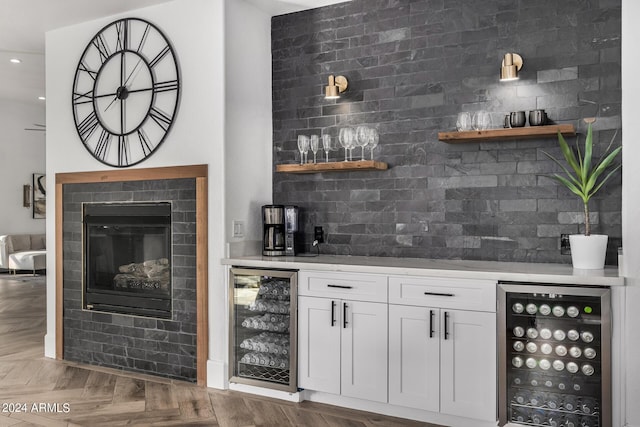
[
  {"x": 111, "y": 103},
  {"x": 132, "y": 71}
]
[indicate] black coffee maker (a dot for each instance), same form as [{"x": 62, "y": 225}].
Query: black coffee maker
[
  {"x": 279, "y": 229},
  {"x": 273, "y": 230}
]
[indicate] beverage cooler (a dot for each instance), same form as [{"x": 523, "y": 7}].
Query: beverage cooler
[
  {"x": 554, "y": 356},
  {"x": 263, "y": 326}
]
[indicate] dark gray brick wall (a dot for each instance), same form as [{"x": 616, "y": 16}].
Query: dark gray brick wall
[
  {"x": 151, "y": 346},
  {"x": 412, "y": 66}
]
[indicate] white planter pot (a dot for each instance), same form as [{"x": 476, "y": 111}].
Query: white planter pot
[{"x": 588, "y": 252}]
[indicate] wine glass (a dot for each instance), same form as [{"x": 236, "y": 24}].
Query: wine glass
[
  {"x": 303, "y": 147},
  {"x": 464, "y": 121},
  {"x": 362, "y": 138},
  {"x": 314, "y": 143},
  {"x": 481, "y": 120},
  {"x": 346, "y": 139},
  {"x": 374, "y": 138},
  {"x": 327, "y": 145}
]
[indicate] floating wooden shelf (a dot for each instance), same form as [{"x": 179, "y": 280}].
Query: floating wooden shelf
[
  {"x": 508, "y": 133},
  {"x": 360, "y": 165}
]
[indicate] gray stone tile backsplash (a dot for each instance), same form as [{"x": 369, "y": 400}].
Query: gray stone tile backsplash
[{"x": 412, "y": 66}]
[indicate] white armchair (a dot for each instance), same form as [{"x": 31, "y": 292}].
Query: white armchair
[{"x": 23, "y": 252}]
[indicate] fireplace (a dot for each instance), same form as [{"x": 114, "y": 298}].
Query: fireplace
[{"x": 127, "y": 258}]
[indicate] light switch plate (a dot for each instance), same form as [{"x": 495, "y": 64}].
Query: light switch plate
[{"x": 237, "y": 228}]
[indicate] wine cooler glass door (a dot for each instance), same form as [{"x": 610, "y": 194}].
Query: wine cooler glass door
[
  {"x": 263, "y": 328},
  {"x": 554, "y": 356}
]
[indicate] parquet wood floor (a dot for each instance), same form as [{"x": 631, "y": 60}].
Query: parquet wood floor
[{"x": 36, "y": 391}]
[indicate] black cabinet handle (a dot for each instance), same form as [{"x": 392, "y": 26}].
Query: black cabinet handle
[
  {"x": 431, "y": 324},
  {"x": 439, "y": 294},
  {"x": 446, "y": 325},
  {"x": 344, "y": 315},
  {"x": 333, "y": 313},
  {"x": 340, "y": 286}
]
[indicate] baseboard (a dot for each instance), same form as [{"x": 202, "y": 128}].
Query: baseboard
[
  {"x": 217, "y": 374},
  {"x": 267, "y": 392},
  {"x": 394, "y": 411}
]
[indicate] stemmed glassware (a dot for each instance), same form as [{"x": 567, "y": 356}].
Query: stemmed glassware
[
  {"x": 303, "y": 147},
  {"x": 362, "y": 138},
  {"x": 464, "y": 121},
  {"x": 481, "y": 120},
  {"x": 346, "y": 137},
  {"x": 373, "y": 140},
  {"x": 314, "y": 144},
  {"x": 327, "y": 145}
]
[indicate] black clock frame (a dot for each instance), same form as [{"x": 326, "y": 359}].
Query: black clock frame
[{"x": 86, "y": 126}]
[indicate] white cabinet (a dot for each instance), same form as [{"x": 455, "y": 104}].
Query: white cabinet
[
  {"x": 443, "y": 359},
  {"x": 468, "y": 365},
  {"x": 342, "y": 343}
]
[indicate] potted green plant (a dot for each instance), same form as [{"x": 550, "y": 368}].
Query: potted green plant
[{"x": 584, "y": 177}]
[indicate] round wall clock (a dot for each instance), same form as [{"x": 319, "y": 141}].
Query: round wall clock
[{"x": 126, "y": 92}]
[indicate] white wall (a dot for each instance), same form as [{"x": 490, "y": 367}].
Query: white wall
[
  {"x": 22, "y": 153},
  {"x": 196, "y": 30},
  {"x": 249, "y": 147}
]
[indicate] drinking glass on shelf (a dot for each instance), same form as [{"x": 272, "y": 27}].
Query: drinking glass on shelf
[
  {"x": 303, "y": 147},
  {"x": 346, "y": 139},
  {"x": 373, "y": 140},
  {"x": 327, "y": 145},
  {"x": 464, "y": 121},
  {"x": 314, "y": 144},
  {"x": 481, "y": 120},
  {"x": 362, "y": 138}
]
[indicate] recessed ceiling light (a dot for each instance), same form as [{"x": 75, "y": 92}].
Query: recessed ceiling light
[
  {"x": 41, "y": 98},
  {"x": 15, "y": 61}
]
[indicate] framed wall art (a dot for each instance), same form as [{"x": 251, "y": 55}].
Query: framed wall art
[{"x": 39, "y": 195}]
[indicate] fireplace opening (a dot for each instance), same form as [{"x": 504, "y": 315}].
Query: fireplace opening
[{"x": 127, "y": 258}]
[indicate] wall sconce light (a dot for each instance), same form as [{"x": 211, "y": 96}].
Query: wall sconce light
[
  {"x": 26, "y": 196},
  {"x": 337, "y": 85},
  {"x": 511, "y": 64}
]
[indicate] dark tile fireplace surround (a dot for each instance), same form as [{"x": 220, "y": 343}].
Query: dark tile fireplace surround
[{"x": 164, "y": 347}]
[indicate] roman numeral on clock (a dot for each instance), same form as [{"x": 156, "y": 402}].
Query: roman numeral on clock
[
  {"x": 87, "y": 126},
  {"x": 123, "y": 150},
  {"x": 104, "y": 142}
]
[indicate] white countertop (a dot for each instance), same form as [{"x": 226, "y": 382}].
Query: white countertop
[{"x": 493, "y": 270}]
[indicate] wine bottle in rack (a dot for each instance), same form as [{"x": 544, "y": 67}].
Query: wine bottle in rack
[
  {"x": 588, "y": 406},
  {"x": 544, "y": 309},
  {"x": 520, "y": 414},
  {"x": 537, "y": 399},
  {"x": 570, "y": 403},
  {"x": 521, "y": 397},
  {"x": 538, "y": 417},
  {"x": 553, "y": 401}
]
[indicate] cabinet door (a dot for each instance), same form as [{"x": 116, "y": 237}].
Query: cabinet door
[
  {"x": 364, "y": 350},
  {"x": 414, "y": 357},
  {"x": 468, "y": 364},
  {"x": 319, "y": 344}
]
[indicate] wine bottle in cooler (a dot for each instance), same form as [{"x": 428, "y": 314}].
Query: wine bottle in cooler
[
  {"x": 570, "y": 403},
  {"x": 521, "y": 397},
  {"x": 571, "y": 420},
  {"x": 537, "y": 399},
  {"x": 538, "y": 417},
  {"x": 553, "y": 401},
  {"x": 588, "y": 406},
  {"x": 588, "y": 422},
  {"x": 554, "y": 420},
  {"x": 520, "y": 414}
]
